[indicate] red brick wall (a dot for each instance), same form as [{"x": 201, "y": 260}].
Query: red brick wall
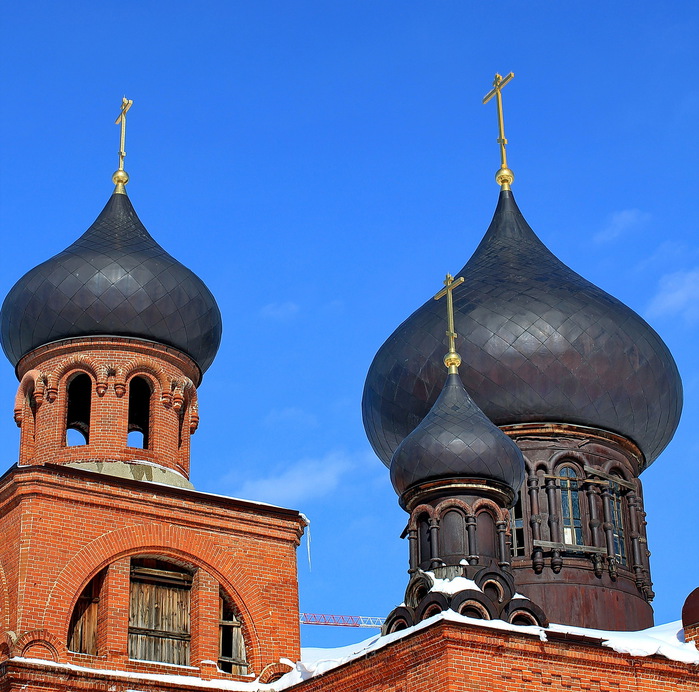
[
  {"x": 452, "y": 657},
  {"x": 110, "y": 363},
  {"x": 63, "y": 525}
]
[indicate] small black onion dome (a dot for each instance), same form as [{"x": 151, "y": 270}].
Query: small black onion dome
[
  {"x": 539, "y": 344},
  {"x": 114, "y": 280},
  {"x": 456, "y": 440}
]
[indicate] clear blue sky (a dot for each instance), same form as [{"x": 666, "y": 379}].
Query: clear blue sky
[{"x": 308, "y": 161}]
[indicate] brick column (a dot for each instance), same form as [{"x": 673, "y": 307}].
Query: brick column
[
  {"x": 204, "y": 622},
  {"x": 113, "y": 613}
]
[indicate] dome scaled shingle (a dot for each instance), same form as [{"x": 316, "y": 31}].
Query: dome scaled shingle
[
  {"x": 539, "y": 344},
  {"x": 114, "y": 280},
  {"x": 456, "y": 440}
]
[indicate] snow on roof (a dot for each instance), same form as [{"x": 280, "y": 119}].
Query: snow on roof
[{"x": 663, "y": 640}]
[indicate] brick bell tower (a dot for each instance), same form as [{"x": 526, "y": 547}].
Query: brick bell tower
[{"x": 109, "y": 559}]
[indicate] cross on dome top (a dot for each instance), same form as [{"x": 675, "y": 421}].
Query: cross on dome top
[
  {"x": 121, "y": 177},
  {"x": 504, "y": 176}
]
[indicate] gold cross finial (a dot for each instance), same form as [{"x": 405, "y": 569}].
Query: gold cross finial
[
  {"x": 504, "y": 176},
  {"x": 452, "y": 359},
  {"x": 121, "y": 177}
]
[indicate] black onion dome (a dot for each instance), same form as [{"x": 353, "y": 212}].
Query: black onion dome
[
  {"x": 456, "y": 440},
  {"x": 539, "y": 344},
  {"x": 114, "y": 280}
]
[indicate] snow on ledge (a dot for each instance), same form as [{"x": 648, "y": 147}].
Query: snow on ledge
[
  {"x": 663, "y": 640},
  {"x": 171, "y": 679}
]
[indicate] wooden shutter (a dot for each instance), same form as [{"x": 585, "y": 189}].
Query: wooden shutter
[
  {"x": 232, "y": 657},
  {"x": 159, "y": 615},
  {"x": 82, "y": 631}
]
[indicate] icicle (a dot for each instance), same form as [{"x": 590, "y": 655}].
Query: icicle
[{"x": 308, "y": 543}]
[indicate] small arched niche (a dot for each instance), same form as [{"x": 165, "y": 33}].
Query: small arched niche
[
  {"x": 140, "y": 394},
  {"x": 79, "y": 396},
  {"x": 485, "y": 534}
]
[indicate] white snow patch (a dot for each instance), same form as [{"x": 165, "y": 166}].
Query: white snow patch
[
  {"x": 452, "y": 586},
  {"x": 664, "y": 640},
  {"x": 180, "y": 680}
]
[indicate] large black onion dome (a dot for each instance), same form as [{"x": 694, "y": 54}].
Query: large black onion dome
[
  {"x": 539, "y": 344},
  {"x": 456, "y": 440},
  {"x": 114, "y": 280}
]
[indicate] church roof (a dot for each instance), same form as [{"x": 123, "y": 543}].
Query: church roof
[
  {"x": 455, "y": 439},
  {"x": 114, "y": 280},
  {"x": 539, "y": 344}
]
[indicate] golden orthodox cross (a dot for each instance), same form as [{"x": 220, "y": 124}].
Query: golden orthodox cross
[
  {"x": 121, "y": 120},
  {"x": 452, "y": 360},
  {"x": 505, "y": 175}
]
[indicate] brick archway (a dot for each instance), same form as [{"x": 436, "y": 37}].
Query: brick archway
[{"x": 168, "y": 541}]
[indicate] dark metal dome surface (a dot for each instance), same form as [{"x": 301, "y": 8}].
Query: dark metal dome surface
[
  {"x": 539, "y": 344},
  {"x": 456, "y": 440},
  {"x": 114, "y": 280}
]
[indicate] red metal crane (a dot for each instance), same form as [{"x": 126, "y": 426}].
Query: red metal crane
[{"x": 341, "y": 620}]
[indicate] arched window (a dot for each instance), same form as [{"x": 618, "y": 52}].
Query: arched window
[
  {"x": 82, "y": 631},
  {"x": 517, "y": 527},
  {"x": 79, "y": 395},
  {"x": 159, "y": 613},
  {"x": 618, "y": 528},
  {"x": 571, "y": 522},
  {"x": 139, "y": 413},
  {"x": 231, "y": 651}
]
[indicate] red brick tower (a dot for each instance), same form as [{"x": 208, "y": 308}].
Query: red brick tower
[{"x": 111, "y": 565}]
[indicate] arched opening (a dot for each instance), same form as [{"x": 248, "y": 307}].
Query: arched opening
[
  {"x": 31, "y": 403},
  {"x": 517, "y": 528},
  {"x": 79, "y": 395},
  {"x": 159, "y": 611},
  {"x": 618, "y": 522},
  {"x": 181, "y": 415},
  {"x": 494, "y": 591},
  {"x": 231, "y": 655},
  {"x": 82, "y": 631},
  {"x": 424, "y": 541},
  {"x": 474, "y": 609},
  {"x": 139, "y": 413},
  {"x": 522, "y": 617},
  {"x": 431, "y": 611},
  {"x": 397, "y": 626},
  {"x": 571, "y": 522}
]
